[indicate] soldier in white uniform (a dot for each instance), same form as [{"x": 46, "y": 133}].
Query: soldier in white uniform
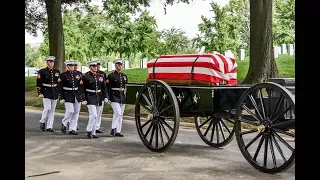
[
  {"x": 95, "y": 92},
  {"x": 48, "y": 86},
  {"x": 116, "y": 82},
  {"x": 71, "y": 96},
  {"x": 98, "y": 130}
]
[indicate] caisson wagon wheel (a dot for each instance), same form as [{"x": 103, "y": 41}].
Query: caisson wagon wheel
[
  {"x": 215, "y": 132},
  {"x": 157, "y": 100},
  {"x": 265, "y": 127}
]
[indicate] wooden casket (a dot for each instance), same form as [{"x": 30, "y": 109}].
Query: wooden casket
[{"x": 195, "y": 69}]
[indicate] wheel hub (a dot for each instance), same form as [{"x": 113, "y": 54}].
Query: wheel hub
[
  {"x": 153, "y": 116},
  {"x": 261, "y": 128}
]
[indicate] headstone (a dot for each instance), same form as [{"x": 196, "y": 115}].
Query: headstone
[
  {"x": 276, "y": 52},
  {"x": 229, "y": 54},
  {"x": 203, "y": 48},
  {"x": 143, "y": 63},
  {"x": 242, "y": 54},
  {"x": 126, "y": 64},
  {"x": 84, "y": 69},
  {"x": 110, "y": 66},
  {"x": 290, "y": 47},
  {"x": 140, "y": 63},
  {"x": 284, "y": 49},
  {"x": 279, "y": 50},
  {"x": 294, "y": 47}
]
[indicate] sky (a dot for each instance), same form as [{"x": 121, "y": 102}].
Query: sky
[{"x": 180, "y": 15}]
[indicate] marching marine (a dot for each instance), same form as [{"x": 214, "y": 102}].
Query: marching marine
[
  {"x": 95, "y": 92},
  {"x": 48, "y": 86},
  {"x": 116, "y": 82},
  {"x": 98, "y": 130},
  {"x": 80, "y": 74},
  {"x": 71, "y": 96}
]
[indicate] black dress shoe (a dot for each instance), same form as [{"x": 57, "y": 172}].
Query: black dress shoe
[
  {"x": 94, "y": 136},
  {"x": 63, "y": 129},
  {"x": 119, "y": 135},
  {"x": 99, "y": 131},
  {"x": 89, "y": 135},
  {"x": 112, "y": 132},
  {"x": 73, "y": 132},
  {"x": 43, "y": 126},
  {"x": 50, "y": 130}
]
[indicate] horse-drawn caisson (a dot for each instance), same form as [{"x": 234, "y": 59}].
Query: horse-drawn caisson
[{"x": 204, "y": 86}]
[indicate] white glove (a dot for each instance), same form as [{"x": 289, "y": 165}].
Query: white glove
[
  {"x": 106, "y": 100},
  {"x": 62, "y": 101},
  {"x": 84, "y": 102},
  {"x": 41, "y": 95}
]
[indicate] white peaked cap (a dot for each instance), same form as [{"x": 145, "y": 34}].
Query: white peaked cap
[
  {"x": 71, "y": 62},
  {"x": 50, "y": 58},
  {"x": 95, "y": 62},
  {"x": 117, "y": 61}
]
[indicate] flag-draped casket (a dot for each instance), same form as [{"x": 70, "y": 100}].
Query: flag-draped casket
[{"x": 210, "y": 69}]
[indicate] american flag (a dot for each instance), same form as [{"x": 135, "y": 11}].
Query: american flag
[{"x": 212, "y": 68}]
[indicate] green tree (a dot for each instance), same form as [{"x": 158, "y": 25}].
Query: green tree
[
  {"x": 284, "y": 22},
  {"x": 31, "y": 55},
  {"x": 221, "y": 32},
  {"x": 175, "y": 41},
  {"x": 48, "y": 13},
  {"x": 239, "y": 18},
  {"x": 76, "y": 41},
  {"x": 146, "y": 35}
]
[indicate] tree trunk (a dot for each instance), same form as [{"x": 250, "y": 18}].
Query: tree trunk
[
  {"x": 55, "y": 31},
  {"x": 262, "y": 63}
]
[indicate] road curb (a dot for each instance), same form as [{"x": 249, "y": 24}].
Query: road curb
[{"x": 106, "y": 117}]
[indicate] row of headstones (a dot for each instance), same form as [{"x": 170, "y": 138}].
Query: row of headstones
[{"x": 284, "y": 49}]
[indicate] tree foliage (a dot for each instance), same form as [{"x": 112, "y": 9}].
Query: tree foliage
[
  {"x": 228, "y": 29},
  {"x": 284, "y": 22}
]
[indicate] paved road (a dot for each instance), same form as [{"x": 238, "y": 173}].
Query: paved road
[{"x": 75, "y": 157}]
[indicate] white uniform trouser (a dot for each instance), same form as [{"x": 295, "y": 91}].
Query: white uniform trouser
[
  {"x": 93, "y": 118},
  {"x": 49, "y": 107},
  {"x": 99, "y": 116},
  {"x": 71, "y": 115},
  {"x": 118, "y": 110}
]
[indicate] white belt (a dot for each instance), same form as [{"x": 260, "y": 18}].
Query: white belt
[
  {"x": 89, "y": 90},
  {"x": 117, "y": 89},
  {"x": 49, "y": 85},
  {"x": 67, "y": 88}
]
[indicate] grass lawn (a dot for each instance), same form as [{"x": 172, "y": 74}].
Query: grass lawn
[{"x": 285, "y": 64}]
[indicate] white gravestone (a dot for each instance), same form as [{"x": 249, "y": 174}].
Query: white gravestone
[
  {"x": 284, "y": 49},
  {"x": 294, "y": 47},
  {"x": 290, "y": 47},
  {"x": 229, "y": 54},
  {"x": 275, "y": 52},
  {"x": 84, "y": 69},
  {"x": 143, "y": 63},
  {"x": 140, "y": 63},
  {"x": 242, "y": 54},
  {"x": 126, "y": 65},
  {"x": 279, "y": 50},
  {"x": 110, "y": 66}
]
